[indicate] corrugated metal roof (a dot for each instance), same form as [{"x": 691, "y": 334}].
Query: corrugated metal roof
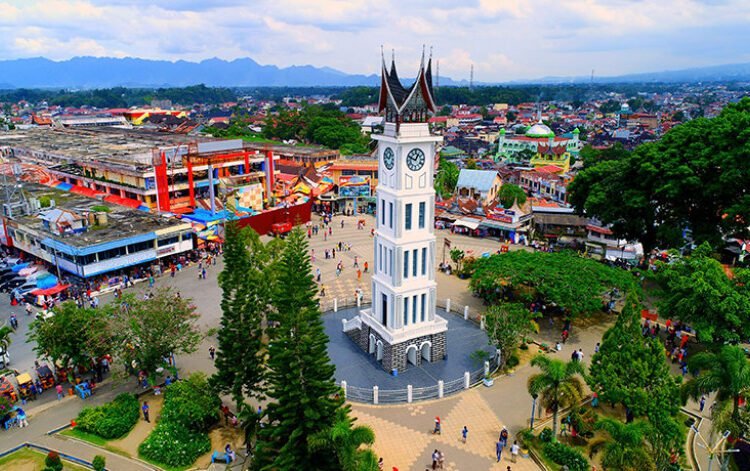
[{"x": 482, "y": 180}]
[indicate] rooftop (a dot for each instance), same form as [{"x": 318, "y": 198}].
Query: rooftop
[
  {"x": 121, "y": 222},
  {"x": 482, "y": 180}
]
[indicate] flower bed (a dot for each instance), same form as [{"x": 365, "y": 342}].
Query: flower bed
[
  {"x": 180, "y": 437},
  {"x": 111, "y": 420}
]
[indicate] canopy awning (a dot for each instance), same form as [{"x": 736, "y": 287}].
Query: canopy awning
[
  {"x": 50, "y": 291},
  {"x": 23, "y": 378},
  {"x": 472, "y": 224}
]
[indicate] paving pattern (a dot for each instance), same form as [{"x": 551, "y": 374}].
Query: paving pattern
[{"x": 405, "y": 439}]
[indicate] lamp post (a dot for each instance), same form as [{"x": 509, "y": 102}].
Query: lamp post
[
  {"x": 533, "y": 409},
  {"x": 715, "y": 449}
]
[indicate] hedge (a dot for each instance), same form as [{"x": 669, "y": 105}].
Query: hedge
[
  {"x": 563, "y": 455},
  {"x": 111, "y": 420},
  {"x": 180, "y": 437}
]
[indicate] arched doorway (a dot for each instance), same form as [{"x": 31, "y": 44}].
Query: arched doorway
[
  {"x": 426, "y": 350},
  {"x": 379, "y": 351},
  {"x": 371, "y": 347},
  {"x": 411, "y": 354}
]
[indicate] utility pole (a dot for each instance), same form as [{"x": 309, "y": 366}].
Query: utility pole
[{"x": 471, "y": 78}]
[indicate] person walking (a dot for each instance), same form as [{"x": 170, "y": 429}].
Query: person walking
[
  {"x": 436, "y": 430},
  {"x": 359, "y": 274},
  {"x": 59, "y": 391},
  {"x": 514, "y": 448},
  {"x": 499, "y": 449},
  {"x": 464, "y": 433},
  {"x": 356, "y": 262},
  {"x": 367, "y": 267},
  {"x": 212, "y": 352},
  {"x": 702, "y": 403},
  {"x": 435, "y": 459},
  {"x": 145, "y": 408}
]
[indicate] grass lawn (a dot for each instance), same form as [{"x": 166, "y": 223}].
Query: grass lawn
[
  {"x": 163, "y": 466},
  {"x": 86, "y": 437},
  {"x": 27, "y": 459}
]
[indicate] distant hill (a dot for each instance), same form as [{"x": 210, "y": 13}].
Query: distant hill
[
  {"x": 105, "y": 72},
  {"x": 717, "y": 73}
]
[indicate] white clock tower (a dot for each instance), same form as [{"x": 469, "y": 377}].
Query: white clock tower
[{"x": 402, "y": 328}]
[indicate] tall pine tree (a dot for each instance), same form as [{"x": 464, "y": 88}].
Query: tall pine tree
[
  {"x": 240, "y": 359},
  {"x": 632, "y": 370},
  {"x": 300, "y": 375}
]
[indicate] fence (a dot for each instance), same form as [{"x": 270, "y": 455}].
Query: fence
[{"x": 375, "y": 395}]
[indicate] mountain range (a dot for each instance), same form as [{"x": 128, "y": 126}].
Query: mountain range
[{"x": 103, "y": 72}]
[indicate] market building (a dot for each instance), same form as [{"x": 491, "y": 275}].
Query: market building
[{"x": 87, "y": 238}]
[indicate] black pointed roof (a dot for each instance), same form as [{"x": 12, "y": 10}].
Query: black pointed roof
[{"x": 394, "y": 94}]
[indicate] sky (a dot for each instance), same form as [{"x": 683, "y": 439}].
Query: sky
[{"x": 503, "y": 39}]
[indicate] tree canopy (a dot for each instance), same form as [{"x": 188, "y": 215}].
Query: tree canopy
[
  {"x": 632, "y": 370},
  {"x": 300, "y": 382},
  {"x": 318, "y": 124},
  {"x": 698, "y": 291},
  {"x": 558, "y": 384},
  {"x": 573, "y": 283},
  {"x": 693, "y": 178},
  {"x": 245, "y": 300},
  {"x": 446, "y": 178},
  {"x": 509, "y": 194},
  {"x": 73, "y": 336}
]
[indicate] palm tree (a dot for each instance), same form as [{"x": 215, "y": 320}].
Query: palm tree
[
  {"x": 5, "y": 339},
  {"x": 623, "y": 447},
  {"x": 346, "y": 442},
  {"x": 558, "y": 385},
  {"x": 727, "y": 373}
]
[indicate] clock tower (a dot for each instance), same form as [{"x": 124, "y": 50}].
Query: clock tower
[{"x": 402, "y": 327}]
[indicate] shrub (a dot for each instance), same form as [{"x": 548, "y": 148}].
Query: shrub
[
  {"x": 565, "y": 455},
  {"x": 174, "y": 445},
  {"x": 191, "y": 403},
  {"x": 53, "y": 461},
  {"x": 512, "y": 361},
  {"x": 99, "y": 463},
  {"x": 546, "y": 435},
  {"x": 111, "y": 420},
  {"x": 190, "y": 408}
]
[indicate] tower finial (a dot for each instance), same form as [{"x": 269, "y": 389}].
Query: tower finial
[
  {"x": 430, "y": 52},
  {"x": 393, "y": 55}
]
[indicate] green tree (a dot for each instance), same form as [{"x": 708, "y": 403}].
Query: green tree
[
  {"x": 471, "y": 164},
  {"x": 446, "y": 110},
  {"x": 347, "y": 441},
  {"x": 694, "y": 177},
  {"x": 558, "y": 385},
  {"x": 632, "y": 370},
  {"x": 697, "y": 290},
  {"x": 576, "y": 284},
  {"x": 446, "y": 178},
  {"x": 146, "y": 331},
  {"x": 609, "y": 106},
  {"x": 300, "y": 381},
  {"x": 507, "y": 324},
  {"x": 509, "y": 194},
  {"x": 624, "y": 447},
  {"x": 240, "y": 359},
  {"x": 511, "y": 116},
  {"x": 5, "y": 339},
  {"x": 727, "y": 373},
  {"x": 73, "y": 336}
]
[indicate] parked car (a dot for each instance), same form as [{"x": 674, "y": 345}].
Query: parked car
[{"x": 4, "y": 358}]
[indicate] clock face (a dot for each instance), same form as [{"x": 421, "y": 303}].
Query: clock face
[
  {"x": 415, "y": 159},
  {"x": 388, "y": 158}
]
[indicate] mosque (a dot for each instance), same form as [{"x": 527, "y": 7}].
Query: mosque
[{"x": 538, "y": 147}]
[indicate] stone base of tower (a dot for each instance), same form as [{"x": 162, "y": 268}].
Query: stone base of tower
[{"x": 398, "y": 354}]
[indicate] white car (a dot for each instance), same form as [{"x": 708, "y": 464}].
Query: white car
[{"x": 4, "y": 359}]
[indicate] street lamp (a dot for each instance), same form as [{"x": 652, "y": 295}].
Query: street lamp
[
  {"x": 715, "y": 449},
  {"x": 533, "y": 409}
]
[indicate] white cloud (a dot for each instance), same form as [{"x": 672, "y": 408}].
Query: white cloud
[{"x": 503, "y": 39}]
